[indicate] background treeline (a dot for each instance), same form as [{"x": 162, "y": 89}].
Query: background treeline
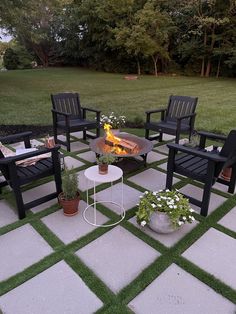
[{"x": 132, "y": 36}]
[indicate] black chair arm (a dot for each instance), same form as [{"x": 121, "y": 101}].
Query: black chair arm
[
  {"x": 90, "y": 109},
  {"x": 204, "y": 135},
  {"x": 149, "y": 112},
  {"x": 85, "y": 109},
  {"x": 15, "y": 137},
  {"x": 186, "y": 116},
  {"x": 65, "y": 114},
  {"x": 41, "y": 151},
  {"x": 196, "y": 152}
]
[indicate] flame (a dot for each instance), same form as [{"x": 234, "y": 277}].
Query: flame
[{"x": 114, "y": 139}]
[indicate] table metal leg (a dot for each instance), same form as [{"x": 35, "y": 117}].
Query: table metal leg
[{"x": 95, "y": 203}]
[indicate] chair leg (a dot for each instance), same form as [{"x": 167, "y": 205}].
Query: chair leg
[
  {"x": 19, "y": 202},
  {"x": 68, "y": 141},
  {"x": 232, "y": 180},
  {"x": 161, "y": 137},
  {"x": 177, "y": 138},
  {"x": 55, "y": 134},
  {"x": 98, "y": 132},
  {"x": 206, "y": 200},
  {"x": 170, "y": 169},
  {"x": 147, "y": 134},
  {"x": 84, "y": 135}
]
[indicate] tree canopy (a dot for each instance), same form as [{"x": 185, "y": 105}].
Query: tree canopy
[{"x": 148, "y": 36}]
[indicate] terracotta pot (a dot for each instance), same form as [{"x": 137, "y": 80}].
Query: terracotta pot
[
  {"x": 103, "y": 168},
  {"x": 226, "y": 174},
  {"x": 161, "y": 223},
  {"x": 70, "y": 207}
]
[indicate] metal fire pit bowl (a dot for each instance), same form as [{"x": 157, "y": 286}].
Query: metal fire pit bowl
[{"x": 145, "y": 146}]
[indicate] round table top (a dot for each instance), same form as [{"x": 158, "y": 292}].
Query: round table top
[{"x": 114, "y": 173}]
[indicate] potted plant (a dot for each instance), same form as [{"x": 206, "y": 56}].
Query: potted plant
[
  {"x": 103, "y": 161},
  {"x": 164, "y": 211},
  {"x": 69, "y": 197}
]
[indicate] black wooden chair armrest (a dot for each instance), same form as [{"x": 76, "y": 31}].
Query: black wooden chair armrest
[
  {"x": 61, "y": 113},
  {"x": 195, "y": 152},
  {"x": 186, "y": 116},
  {"x": 212, "y": 135},
  {"x": 15, "y": 137},
  {"x": 41, "y": 151},
  {"x": 90, "y": 109},
  {"x": 155, "y": 111}
]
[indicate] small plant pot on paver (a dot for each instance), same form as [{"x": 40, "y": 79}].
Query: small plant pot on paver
[{"x": 70, "y": 207}]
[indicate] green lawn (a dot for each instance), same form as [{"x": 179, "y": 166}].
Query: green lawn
[{"x": 25, "y": 95}]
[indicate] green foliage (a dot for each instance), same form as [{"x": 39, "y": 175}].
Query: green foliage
[
  {"x": 107, "y": 159},
  {"x": 173, "y": 203},
  {"x": 17, "y": 57},
  {"x": 10, "y": 59},
  {"x": 69, "y": 184}
]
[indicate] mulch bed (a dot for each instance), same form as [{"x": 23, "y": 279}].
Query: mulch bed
[{"x": 37, "y": 130}]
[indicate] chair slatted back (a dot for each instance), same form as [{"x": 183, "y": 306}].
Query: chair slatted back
[
  {"x": 67, "y": 103},
  {"x": 180, "y": 106}
]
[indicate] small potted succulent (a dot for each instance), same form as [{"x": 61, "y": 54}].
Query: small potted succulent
[
  {"x": 164, "y": 211},
  {"x": 103, "y": 161},
  {"x": 69, "y": 197}
]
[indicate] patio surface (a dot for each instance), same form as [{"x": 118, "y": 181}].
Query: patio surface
[{"x": 50, "y": 263}]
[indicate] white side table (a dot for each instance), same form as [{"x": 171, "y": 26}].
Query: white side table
[{"x": 92, "y": 174}]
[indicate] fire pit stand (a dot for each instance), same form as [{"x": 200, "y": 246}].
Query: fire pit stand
[{"x": 126, "y": 161}]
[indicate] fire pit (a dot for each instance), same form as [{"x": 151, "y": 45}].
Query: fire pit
[{"x": 125, "y": 148}]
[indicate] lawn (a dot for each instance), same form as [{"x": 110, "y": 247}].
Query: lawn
[{"x": 25, "y": 95}]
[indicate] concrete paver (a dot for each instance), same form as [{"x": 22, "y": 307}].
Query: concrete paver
[
  {"x": 19, "y": 249},
  {"x": 176, "y": 291},
  {"x": 117, "y": 257},
  {"x": 56, "y": 290}
]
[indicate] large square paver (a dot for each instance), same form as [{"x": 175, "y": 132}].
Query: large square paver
[
  {"x": 56, "y": 290},
  {"x": 152, "y": 157},
  {"x": 33, "y": 142},
  {"x": 88, "y": 156},
  {"x": 117, "y": 257},
  {"x": 176, "y": 291},
  {"x": 69, "y": 229},
  {"x": 151, "y": 179},
  {"x": 162, "y": 149},
  {"x": 39, "y": 191},
  {"x": 169, "y": 239},
  {"x": 229, "y": 220},
  {"x": 8, "y": 215},
  {"x": 196, "y": 192},
  {"x": 19, "y": 249},
  {"x": 77, "y": 146},
  {"x": 72, "y": 162},
  {"x": 130, "y": 195},
  {"x": 215, "y": 252}
]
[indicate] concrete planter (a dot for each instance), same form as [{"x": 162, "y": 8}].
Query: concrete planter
[{"x": 161, "y": 223}]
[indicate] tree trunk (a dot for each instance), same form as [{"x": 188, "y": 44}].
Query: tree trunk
[
  {"x": 208, "y": 68},
  {"x": 155, "y": 64},
  {"x": 203, "y": 59},
  {"x": 218, "y": 68},
  {"x": 138, "y": 67}
]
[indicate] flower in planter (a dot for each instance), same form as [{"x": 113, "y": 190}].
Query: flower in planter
[
  {"x": 116, "y": 122},
  {"x": 173, "y": 203}
]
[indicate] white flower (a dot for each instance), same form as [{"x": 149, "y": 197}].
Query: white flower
[
  {"x": 175, "y": 206},
  {"x": 159, "y": 205},
  {"x": 184, "y": 218},
  {"x": 160, "y": 190},
  {"x": 180, "y": 223},
  {"x": 153, "y": 205},
  {"x": 192, "y": 218},
  {"x": 154, "y": 193},
  {"x": 167, "y": 190},
  {"x": 171, "y": 206},
  {"x": 191, "y": 210},
  {"x": 143, "y": 223},
  {"x": 146, "y": 192}
]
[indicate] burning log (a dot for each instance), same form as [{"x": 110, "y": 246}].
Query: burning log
[{"x": 127, "y": 145}]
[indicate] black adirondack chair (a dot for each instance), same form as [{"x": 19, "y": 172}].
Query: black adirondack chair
[
  {"x": 177, "y": 118},
  {"x": 17, "y": 176},
  {"x": 69, "y": 116},
  {"x": 203, "y": 166}
]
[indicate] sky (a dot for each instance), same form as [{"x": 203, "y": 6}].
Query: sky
[{"x": 3, "y": 37}]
